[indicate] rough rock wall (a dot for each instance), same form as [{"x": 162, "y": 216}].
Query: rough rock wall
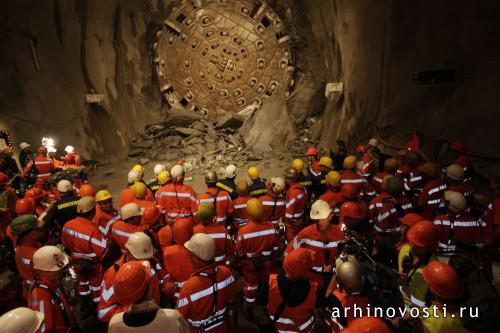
[
  {"x": 375, "y": 46},
  {"x": 81, "y": 47}
]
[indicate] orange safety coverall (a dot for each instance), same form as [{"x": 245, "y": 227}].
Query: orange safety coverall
[
  {"x": 204, "y": 298},
  {"x": 347, "y": 301},
  {"x": 292, "y": 319},
  {"x": 274, "y": 207},
  {"x": 383, "y": 214},
  {"x": 296, "y": 199},
  {"x": 257, "y": 244},
  {"x": 431, "y": 198},
  {"x": 121, "y": 231},
  {"x": 105, "y": 221},
  {"x": 351, "y": 177},
  {"x": 334, "y": 199},
  {"x": 224, "y": 248},
  {"x": 240, "y": 216},
  {"x": 50, "y": 300},
  {"x": 324, "y": 247},
  {"x": 44, "y": 167},
  {"x": 220, "y": 200},
  {"x": 86, "y": 247},
  {"x": 178, "y": 265},
  {"x": 455, "y": 228},
  {"x": 177, "y": 200}
]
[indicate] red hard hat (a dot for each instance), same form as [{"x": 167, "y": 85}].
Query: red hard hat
[
  {"x": 360, "y": 149},
  {"x": 312, "y": 151},
  {"x": 182, "y": 230},
  {"x": 349, "y": 191},
  {"x": 350, "y": 209},
  {"x": 367, "y": 325},
  {"x": 442, "y": 280},
  {"x": 4, "y": 179},
  {"x": 42, "y": 150},
  {"x": 25, "y": 206},
  {"x": 458, "y": 146},
  {"x": 150, "y": 215},
  {"x": 423, "y": 234},
  {"x": 298, "y": 262},
  {"x": 35, "y": 193},
  {"x": 410, "y": 219},
  {"x": 131, "y": 282},
  {"x": 87, "y": 190}
]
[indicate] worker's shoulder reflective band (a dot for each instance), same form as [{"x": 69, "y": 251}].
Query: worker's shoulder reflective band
[
  {"x": 206, "y": 292},
  {"x": 240, "y": 206},
  {"x": 416, "y": 301},
  {"x": 437, "y": 189},
  {"x": 407, "y": 206},
  {"x": 67, "y": 204},
  {"x": 387, "y": 230},
  {"x": 105, "y": 230},
  {"x": 43, "y": 162},
  {"x": 100, "y": 243},
  {"x": 259, "y": 233},
  {"x": 288, "y": 321},
  {"x": 352, "y": 181},
  {"x": 376, "y": 205},
  {"x": 471, "y": 223},
  {"x": 319, "y": 244},
  {"x": 104, "y": 311},
  {"x": 205, "y": 200},
  {"x": 217, "y": 236},
  {"x": 292, "y": 201},
  {"x": 121, "y": 233},
  {"x": 377, "y": 179},
  {"x": 224, "y": 187},
  {"x": 261, "y": 191},
  {"x": 272, "y": 203},
  {"x": 107, "y": 293}
]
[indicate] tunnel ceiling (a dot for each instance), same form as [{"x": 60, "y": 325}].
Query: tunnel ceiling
[{"x": 222, "y": 55}]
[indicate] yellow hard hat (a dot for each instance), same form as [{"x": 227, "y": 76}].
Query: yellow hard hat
[
  {"x": 242, "y": 187},
  {"x": 103, "y": 195},
  {"x": 391, "y": 165},
  {"x": 139, "y": 168},
  {"x": 333, "y": 179},
  {"x": 205, "y": 211},
  {"x": 253, "y": 173},
  {"x": 163, "y": 177},
  {"x": 255, "y": 210},
  {"x": 298, "y": 165},
  {"x": 350, "y": 162},
  {"x": 326, "y": 161},
  {"x": 139, "y": 189}
]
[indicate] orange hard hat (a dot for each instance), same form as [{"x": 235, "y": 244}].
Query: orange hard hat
[
  {"x": 35, "y": 193},
  {"x": 182, "y": 230},
  {"x": 349, "y": 191},
  {"x": 360, "y": 149},
  {"x": 410, "y": 219},
  {"x": 311, "y": 151},
  {"x": 150, "y": 215},
  {"x": 131, "y": 281},
  {"x": 298, "y": 262},
  {"x": 25, "y": 206},
  {"x": 350, "y": 209},
  {"x": 367, "y": 325},
  {"x": 443, "y": 280},
  {"x": 458, "y": 146},
  {"x": 4, "y": 179},
  {"x": 42, "y": 150},
  {"x": 87, "y": 190},
  {"x": 423, "y": 234}
]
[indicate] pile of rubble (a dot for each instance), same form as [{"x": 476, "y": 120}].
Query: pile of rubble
[{"x": 204, "y": 144}]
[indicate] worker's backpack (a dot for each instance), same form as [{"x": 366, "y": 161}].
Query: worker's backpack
[{"x": 481, "y": 300}]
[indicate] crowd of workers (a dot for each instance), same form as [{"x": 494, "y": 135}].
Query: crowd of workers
[{"x": 331, "y": 233}]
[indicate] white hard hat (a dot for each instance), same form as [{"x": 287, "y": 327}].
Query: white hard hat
[
  {"x": 85, "y": 205},
  {"x": 140, "y": 246},
  {"x": 130, "y": 210},
  {"x": 231, "y": 171},
  {"x": 373, "y": 142},
  {"x": 51, "y": 149},
  {"x": 320, "y": 210},
  {"x": 177, "y": 171},
  {"x": 24, "y": 145},
  {"x": 49, "y": 258},
  {"x": 456, "y": 201},
  {"x": 158, "y": 169},
  {"x": 133, "y": 176},
  {"x": 202, "y": 246},
  {"x": 278, "y": 184},
  {"x": 455, "y": 172},
  {"x": 64, "y": 186},
  {"x": 21, "y": 320},
  {"x": 69, "y": 149}
]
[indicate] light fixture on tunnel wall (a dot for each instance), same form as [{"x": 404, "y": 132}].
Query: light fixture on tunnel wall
[
  {"x": 96, "y": 102},
  {"x": 435, "y": 77},
  {"x": 218, "y": 56},
  {"x": 5, "y": 140}
]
